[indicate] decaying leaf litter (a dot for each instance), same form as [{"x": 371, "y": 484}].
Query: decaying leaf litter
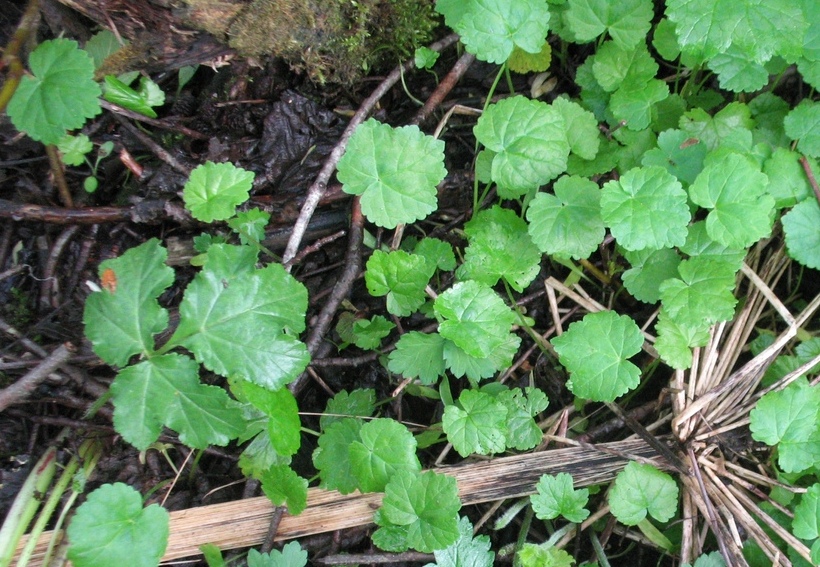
[{"x": 713, "y": 398}]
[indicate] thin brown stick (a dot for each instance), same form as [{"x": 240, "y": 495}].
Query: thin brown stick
[
  {"x": 444, "y": 87},
  {"x": 375, "y": 558},
  {"x": 319, "y": 186},
  {"x": 158, "y": 150},
  {"x": 56, "y": 165},
  {"x": 165, "y": 125},
  {"x": 18, "y": 391},
  {"x": 810, "y": 175}
]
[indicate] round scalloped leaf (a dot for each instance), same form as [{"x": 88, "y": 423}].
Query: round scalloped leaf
[
  {"x": 112, "y": 528},
  {"x": 646, "y": 208},
  {"x": 633, "y": 103},
  {"x": 613, "y": 66},
  {"x": 595, "y": 352},
  {"x": 59, "y": 96},
  {"x": 641, "y": 489},
  {"x": 529, "y": 140},
  {"x": 803, "y": 124},
  {"x": 582, "y": 128},
  {"x": 737, "y": 73},
  {"x": 521, "y": 61},
  {"x": 395, "y": 170},
  {"x": 627, "y": 21},
  {"x": 214, "y": 190},
  {"x": 492, "y": 28},
  {"x": 802, "y": 228}
]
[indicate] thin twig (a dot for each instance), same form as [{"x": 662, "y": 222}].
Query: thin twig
[
  {"x": 158, "y": 150},
  {"x": 56, "y": 165},
  {"x": 18, "y": 391},
  {"x": 319, "y": 186},
  {"x": 273, "y": 529},
  {"x": 153, "y": 121},
  {"x": 810, "y": 175},
  {"x": 444, "y": 87}
]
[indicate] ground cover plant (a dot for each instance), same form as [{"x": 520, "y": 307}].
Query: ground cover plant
[{"x": 662, "y": 208}]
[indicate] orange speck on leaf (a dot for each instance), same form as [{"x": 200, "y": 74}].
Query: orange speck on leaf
[{"x": 109, "y": 280}]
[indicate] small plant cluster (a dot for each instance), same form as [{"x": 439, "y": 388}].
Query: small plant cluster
[{"x": 693, "y": 178}]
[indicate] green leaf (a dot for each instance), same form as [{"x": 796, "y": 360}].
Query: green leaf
[
  {"x": 476, "y": 368},
  {"x": 730, "y": 127},
  {"x": 532, "y": 555},
  {"x": 250, "y": 225},
  {"x": 165, "y": 390},
  {"x": 650, "y": 268},
  {"x": 626, "y": 21},
  {"x": 111, "y": 525},
  {"x": 522, "y": 62},
  {"x": 522, "y": 406},
  {"x": 569, "y": 222},
  {"x": 665, "y": 40},
  {"x": 395, "y": 170},
  {"x": 59, "y": 95},
  {"x": 529, "y": 140},
  {"x": 235, "y": 326},
  {"x": 370, "y": 332},
  {"x": 467, "y": 551},
  {"x": 259, "y": 455},
  {"x": 806, "y": 524},
  {"x": 358, "y": 403},
  {"x": 284, "y": 425},
  {"x": 425, "y": 58},
  {"x": 476, "y": 319},
  {"x": 74, "y": 148},
  {"x": 734, "y": 189},
  {"x": 788, "y": 418},
  {"x": 214, "y": 190},
  {"x": 141, "y": 101},
  {"x": 582, "y": 128},
  {"x": 615, "y": 65},
  {"x": 642, "y": 489},
  {"x": 595, "y": 352},
  {"x": 737, "y": 72},
  {"x": 698, "y": 243},
  {"x": 802, "y": 233},
  {"x": 759, "y": 27},
  {"x": 101, "y": 45},
  {"x": 212, "y": 555},
  {"x": 122, "y": 319},
  {"x": 292, "y": 555},
  {"x": 676, "y": 339},
  {"x": 438, "y": 254},
  {"x": 704, "y": 293},
  {"x": 332, "y": 456},
  {"x": 491, "y": 28},
  {"x": 788, "y": 182},
  {"x": 426, "y": 505},
  {"x": 400, "y": 276},
  {"x": 385, "y": 449},
  {"x": 681, "y": 155},
  {"x": 646, "y": 208},
  {"x": 418, "y": 355},
  {"x": 556, "y": 497},
  {"x": 803, "y": 124},
  {"x": 633, "y": 103},
  {"x": 478, "y": 426},
  {"x": 283, "y": 486},
  {"x": 499, "y": 247}
]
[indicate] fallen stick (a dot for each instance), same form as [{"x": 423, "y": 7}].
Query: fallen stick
[{"x": 244, "y": 523}]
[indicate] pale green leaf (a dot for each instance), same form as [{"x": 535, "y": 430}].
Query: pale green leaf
[
  {"x": 491, "y": 28},
  {"x": 737, "y": 72},
  {"x": 649, "y": 269},
  {"x": 583, "y": 134},
  {"x": 214, "y": 190},
  {"x": 250, "y": 225},
  {"x": 361, "y": 402},
  {"x": 418, "y": 355},
  {"x": 788, "y": 183},
  {"x": 532, "y": 555},
  {"x": 626, "y": 21},
  {"x": 521, "y": 61},
  {"x": 292, "y": 555},
  {"x": 438, "y": 253},
  {"x": 112, "y": 528},
  {"x": 467, "y": 551},
  {"x": 633, "y": 103},
  {"x": 567, "y": 223},
  {"x": 806, "y": 524},
  {"x": 425, "y": 58},
  {"x": 642, "y": 489},
  {"x": 400, "y": 276},
  {"x": 522, "y": 406},
  {"x": 74, "y": 148},
  {"x": 477, "y": 368},
  {"x": 395, "y": 170},
  {"x": 730, "y": 127},
  {"x": 385, "y": 449},
  {"x": 284, "y": 426},
  {"x": 675, "y": 340},
  {"x": 704, "y": 293},
  {"x": 802, "y": 228},
  {"x": 332, "y": 456},
  {"x": 614, "y": 65},
  {"x": 803, "y": 124},
  {"x": 556, "y": 497},
  {"x": 698, "y": 243},
  {"x": 283, "y": 486},
  {"x": 681, "y": 155},
  {"x": 370, "y": 332},
  {"x": 478, "y": 426}
]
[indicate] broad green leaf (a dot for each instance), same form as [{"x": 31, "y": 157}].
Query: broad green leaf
[
  {"x": 476, "y": 319},
  {"x": 425, "y": 58},
  {"x": 788, "y": 183},
  {"x": 698, "y": 243},
  {"x": 802, "y": 228},
  {"x": 499, "y": 247},
  {"x": 665, "y": 40},
  {"x": 522, "y": 406},
  {"x": 635, "y": 146},
  {"x": 734, "y": 189},
  {"x": 259, "y": 455},
  {"x": 532, "y": 555},
  {"x": 438, "y": 254},
  {"x": 112, "y": 528},
  {"x": 400, "y": 276},
  {"x": 788, "y": 418},
  {"x": 395, "y": 170},
  {"x": 803, "y": 124},
  {"x": 74, "y": 148},
  {"x": 768, "y": 112},
  {"x": 492, "y": 28},
  {"x": 626, "y": 21},
  {"x": 426, "y": 505},
  {"x": 737, "y": 72},
  {"x": 59, "y": 95},
  {"x": 358, "y": 403},
  {"x": 478, "y": 426},
  {"x": 332, "y": 456},
  {"x": 389, "y": 536},
  {"x": 632, "y": 103},
  {"x": 467, "y": 551},
  {"x": 529, "y": 140},
  {"x": 806, "y": 524},
  {"x": 370, "y": 332},
  {"x": 681, "y": 155},
  {"x": 250, "y": 225},
  {"x": 477, "y": 368},
  {"x": 292, "y": 555},
  {"x": 615, "y": 65},
  {"x": 418, "y": 355},
  {"x": 593, "y": 96},
  {"x": 214, "y": 190},
  {"x": 235, "y": 326},
  {"x": 642, "y": 489},
  {"x": 650, "y": 268},
  {"x": 667, "y": 113},
  {"x": 569, "y": 222},
  {"x": 284, "y": 426},
  {"x": 704, "y": 293},
  {"x": 809, "y": 63},
  {"x": 646, "y": 208},
  {"x": 714, "y": 559},
  {"x": 165, "y": 390},
  {"x": 730, "y": 127},
  {"x": 759, "y": 27},
  {"x": 595, "y": 352},
  {"x": 141, "y": 101},
  {"x": 385, "y": 449},
  {"x": 556, "y": 497},
  {"x": 101, "y": 45},
  {"x": 675, "y": 340},
  {"x": 122, "y": 319},
  {"x": 283, "y": 486},
  {"x": 523, "y": 62},
  {"x": 582, "y": 128}
]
